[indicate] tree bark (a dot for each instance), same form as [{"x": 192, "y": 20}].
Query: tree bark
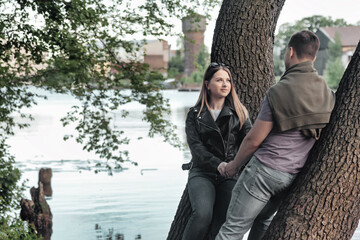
[
  {"x": 243, "y": 39},
  {"x": 324, "y": 201},
  {"x": 182, "y": 216}
]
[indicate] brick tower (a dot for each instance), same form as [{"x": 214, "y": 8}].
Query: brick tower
[{"x": 193, "y": 28}]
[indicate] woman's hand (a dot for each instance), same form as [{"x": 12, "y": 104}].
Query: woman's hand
[
  {"x": 222, "y": 169},
  {"x": 231, "y": 169}
]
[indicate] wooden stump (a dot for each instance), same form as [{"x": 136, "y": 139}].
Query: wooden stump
[
  {"x": 45, "y": 175},
  {"x": 37, "y": 212}
]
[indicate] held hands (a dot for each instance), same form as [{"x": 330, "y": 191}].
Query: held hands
[
  {"x": 229, "y": 169},
  {"x": 222, "y": 168}
]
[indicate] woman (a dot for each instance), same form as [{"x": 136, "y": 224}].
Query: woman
[{"x": 215, "y": 127}]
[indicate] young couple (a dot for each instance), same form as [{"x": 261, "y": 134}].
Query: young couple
[{"x": 222, "y": 141}]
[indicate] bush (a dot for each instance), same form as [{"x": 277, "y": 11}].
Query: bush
[
  {"x": 10, "y": 192},
  {"x": 11, "y": 227},
  {"x": 334, "y": 72},
  {"x": 14, "y": 228},
  {"x": 334, "y": 67},
  {"x": 195, "y": 77}
]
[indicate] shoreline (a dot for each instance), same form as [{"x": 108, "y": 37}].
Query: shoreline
[{"x": 194, "y": 87}]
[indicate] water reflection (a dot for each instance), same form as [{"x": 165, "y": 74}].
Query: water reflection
[{"x": 110, "y": 235}]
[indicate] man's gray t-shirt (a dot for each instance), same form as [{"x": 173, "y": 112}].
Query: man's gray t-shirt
[{"x": 284, "y": 151}]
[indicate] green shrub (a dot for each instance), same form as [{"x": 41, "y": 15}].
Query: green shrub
[
  {"x": 334, "y": 72},
  {"x": 334, "y": 67},
  {"x": 195, "y": 77},
  {"x": 11, "y": 227},
  {"x": 14, "y": 228}
]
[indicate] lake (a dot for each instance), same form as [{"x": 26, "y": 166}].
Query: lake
[{"x": 141, "y": 200}]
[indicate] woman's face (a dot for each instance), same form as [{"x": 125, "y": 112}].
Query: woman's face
[{"x": 219, "y": 85}]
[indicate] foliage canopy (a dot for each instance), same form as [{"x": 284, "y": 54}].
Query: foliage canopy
[
  {"x": 80, "y": 47},
  {"x": 83, "y": 48}
]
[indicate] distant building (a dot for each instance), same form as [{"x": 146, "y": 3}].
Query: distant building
[
  {"x": 157, "y": 55},
  {"x": 193, "y": 29},
  {"x": 349, "y": 36}
]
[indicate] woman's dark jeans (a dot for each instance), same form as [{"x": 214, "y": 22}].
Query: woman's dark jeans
[{"x": 210, "y": 196}]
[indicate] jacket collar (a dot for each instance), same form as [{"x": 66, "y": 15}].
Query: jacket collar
[
  {"x": 205, "y": 115},
  {"x": 303, "y": 67}
]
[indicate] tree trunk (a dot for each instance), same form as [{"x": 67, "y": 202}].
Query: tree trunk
[
  {"x": 246, "y": 43},
  {"x": 182, "y": 216},
  {"x": 324, "y": 202},
  {"x": 243, "y": 38}
]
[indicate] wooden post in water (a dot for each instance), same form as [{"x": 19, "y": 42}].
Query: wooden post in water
[
  {"x": 37, "y": 211},
  {"x": 45, "y": 175}
]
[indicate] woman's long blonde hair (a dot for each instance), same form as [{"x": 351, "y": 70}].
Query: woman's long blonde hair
[{"x": 232, "y": 97}]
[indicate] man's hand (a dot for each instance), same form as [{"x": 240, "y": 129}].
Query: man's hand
[
  {"x": 221, "y": 168},
  {"x": 231, "y": 169},
  {"x": 249, "y": 145},
  {"x": 228, "y": 169}
]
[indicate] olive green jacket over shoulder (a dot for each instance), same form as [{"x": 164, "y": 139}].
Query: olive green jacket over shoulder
[{"x": 301, "y": 100}]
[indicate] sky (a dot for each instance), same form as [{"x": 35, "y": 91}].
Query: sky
[{"x": 294, "y": 10}]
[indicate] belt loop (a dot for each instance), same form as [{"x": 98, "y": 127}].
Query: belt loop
[{"x": 187, "y": 166}]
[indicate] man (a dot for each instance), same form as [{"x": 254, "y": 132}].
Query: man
[{"x": 290, "y": 121}]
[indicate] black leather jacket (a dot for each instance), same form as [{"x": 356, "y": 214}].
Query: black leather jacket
[{"x": 212, "y": 142}]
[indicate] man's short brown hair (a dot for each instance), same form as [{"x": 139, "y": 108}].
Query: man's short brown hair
[{"x": 305, "y": 44}]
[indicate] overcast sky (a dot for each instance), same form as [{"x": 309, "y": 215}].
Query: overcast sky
[{"x": 294, "y": 10}]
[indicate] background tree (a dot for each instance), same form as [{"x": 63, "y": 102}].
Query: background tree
[
  {"x": 202, "y": 61},
  {"x": 176, "y": 65},
  {"x": 82, "y": 48},
  {"x": 279, "y": 66},
  {"x": 203, "y": 58},
  {"x": 334, "y": 67}
]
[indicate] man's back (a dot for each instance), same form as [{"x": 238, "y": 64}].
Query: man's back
[{"x": 283, "y": 151}]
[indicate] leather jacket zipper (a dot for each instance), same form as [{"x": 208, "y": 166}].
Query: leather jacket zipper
[
  {"x": 227, "y": 146},
  {"x": 217, "y": 130}
]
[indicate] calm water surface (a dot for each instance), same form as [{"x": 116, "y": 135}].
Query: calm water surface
[{"x": 141, "y": 200}]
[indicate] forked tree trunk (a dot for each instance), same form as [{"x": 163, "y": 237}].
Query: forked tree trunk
[
  {"x": 324, "y": 202},
  {"x": 243, "y": 39}
]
